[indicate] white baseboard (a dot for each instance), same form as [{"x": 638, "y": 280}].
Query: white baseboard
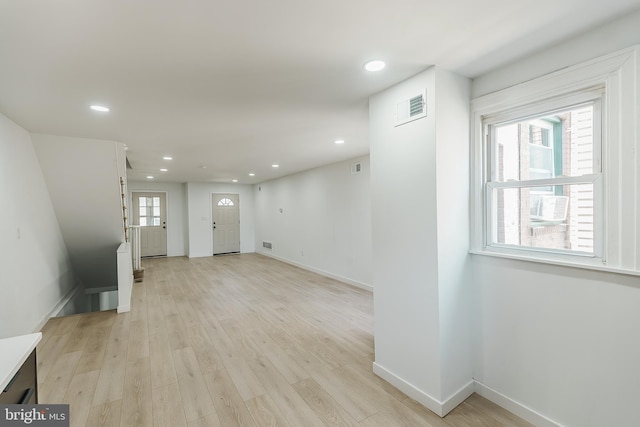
[
  {"x": 514, "y": 407},
  {"x": 123, "y": 308},
  {"x": 62, "y": 302},
  {"x": 318, "y": 271},
  {"x": 441, "y": 408}
]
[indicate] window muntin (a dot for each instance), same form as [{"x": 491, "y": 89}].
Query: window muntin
[
  {"x": 149, "y": 211},
  {"x": 543, "y": 187}
]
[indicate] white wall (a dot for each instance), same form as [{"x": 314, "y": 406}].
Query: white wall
[
  {"x": 177, "y": 227},
  {"x": 419, "y": 181},
  {"x": 405, "y": 256},
  {"x": 600, "y": 41},
  {"x": 560, "y": 341},
  {"x": 325, "y": 222},
  {"x": 83, "y": 182},
  {"x": 452, "y": 183},
  {"x": 35, "y": 271},
  {"x": 200, "y": 240}
]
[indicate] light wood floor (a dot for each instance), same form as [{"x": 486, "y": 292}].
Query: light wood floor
[{"x": 239, "y": 340}]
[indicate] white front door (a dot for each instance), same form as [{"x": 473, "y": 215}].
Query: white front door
[
  {"x": 150, "y": 213},
  {"x": 226, "y": 223}
]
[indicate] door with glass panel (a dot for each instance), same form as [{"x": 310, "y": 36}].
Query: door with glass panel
[
  {"x": 226, "y": 223},
  {"x": 150, "y": 213}
]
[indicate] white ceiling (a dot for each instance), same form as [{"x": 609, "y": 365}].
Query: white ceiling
[{"x": 236, "y": 85}]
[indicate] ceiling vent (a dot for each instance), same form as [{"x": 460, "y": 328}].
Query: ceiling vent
[
  {"x": 356, "y": 168},
  {"x": 412, "y": 109}
]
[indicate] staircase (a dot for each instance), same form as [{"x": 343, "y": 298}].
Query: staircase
[{"x": 86, "y": 179}]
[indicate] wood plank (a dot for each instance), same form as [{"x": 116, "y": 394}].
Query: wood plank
[
  {"x": 167, "y": 407},
  {"x": 161, "y": 356},
  {"x": 265, "y": 412},
  {"x": 254, "y": 342},
  {"x": 79, "y": 396},
  {"x": 195, "y": 397},
  {"x": 323, "y": 404},
  {"x": 136, "y": 397},
  {"x": 105, "y": 415},
  {"x": 229, "y": 405}
]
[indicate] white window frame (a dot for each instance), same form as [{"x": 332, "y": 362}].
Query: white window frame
[
  {"x": 594, "y": 96},
  {"x": 618, "y": 236}
]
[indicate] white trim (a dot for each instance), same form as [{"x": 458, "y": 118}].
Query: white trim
[
  {"x": 555, "y": 259},
  {"x": 211, "y": 245},
  {"x": 440, "y": 408},
  {"x": 514, "y": 407},
  {"x": 57, "y": 309},
  {"x": 618, "y": 73},
  {"x": 339, "y": 278},
  {"x": 166, "y": 213}
]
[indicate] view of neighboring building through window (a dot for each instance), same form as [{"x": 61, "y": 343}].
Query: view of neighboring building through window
[{"x": 541, "y": 187}]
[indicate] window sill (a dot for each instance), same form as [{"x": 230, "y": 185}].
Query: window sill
[{"x": 576, "y": 261}]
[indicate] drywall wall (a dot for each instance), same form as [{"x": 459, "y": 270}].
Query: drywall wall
[
  {"x": 200, "y": 222},
  {"x": 319, "y": 219},
  {"x": 452, "y": 97},
  {"x": 84, "y": 185},
  {"x": 405, "y": 256},
  {"x": 177, "y": 227},
  {"x": 615, "y": 35},
  {"x": 419, "y": 181},
  {"x": 556, "y": 343},
  {"x": 35, "y": 270}
]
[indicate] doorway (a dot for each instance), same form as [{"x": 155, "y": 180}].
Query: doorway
[
  {"x": 150, "y": 213},
  {"x": 226, "y": 223}
]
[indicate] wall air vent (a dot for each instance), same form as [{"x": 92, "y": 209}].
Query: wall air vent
[
  {"x": 356, "y": 168},
  {"x": 412, "y": 109},
  {"x": 267, "y": 245}
]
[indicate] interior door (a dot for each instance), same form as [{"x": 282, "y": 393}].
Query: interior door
[
  {"x": 226, "y": 223},
  {"x": 150, "y": 213}
]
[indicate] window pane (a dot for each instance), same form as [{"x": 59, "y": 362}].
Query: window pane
[
  {"x": 560, "y": 218},
  {"x": 547, "y": 146},
  {"x": 143, "y": 221},
  {"x": 156, "y": 221},
  {"x": 142, "y": 201},
  {"x": 156, "y": 211},
  {"x": 143, "y": 211},
  {"x": 156, "y": 201}
]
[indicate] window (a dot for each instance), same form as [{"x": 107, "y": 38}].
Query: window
[
  {"x": 225, "y": 202},
  {"x": 149, "y": 211},
  {"x": 544, "y": 174},
  {"x": 554, "y": 167}
]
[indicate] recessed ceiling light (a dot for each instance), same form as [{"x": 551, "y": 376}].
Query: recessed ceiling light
[
  {"x": 202, "y": 166},
  {"x": 375, "y": 65},
  {"x": 234, "y": 180},
  {"x": 164, "y": 170},
  {"x": 252, "y": 174},
  {"x": 339, "y": 141},
  {"x": 149, "y": 177},
  {"x": 167, "y": 158},
  {"x": 275, "y": 166},
  {"x": 99, "y": 108}
]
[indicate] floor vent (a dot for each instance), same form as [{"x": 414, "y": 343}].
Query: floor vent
[{"x": 267, "y": 245}]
